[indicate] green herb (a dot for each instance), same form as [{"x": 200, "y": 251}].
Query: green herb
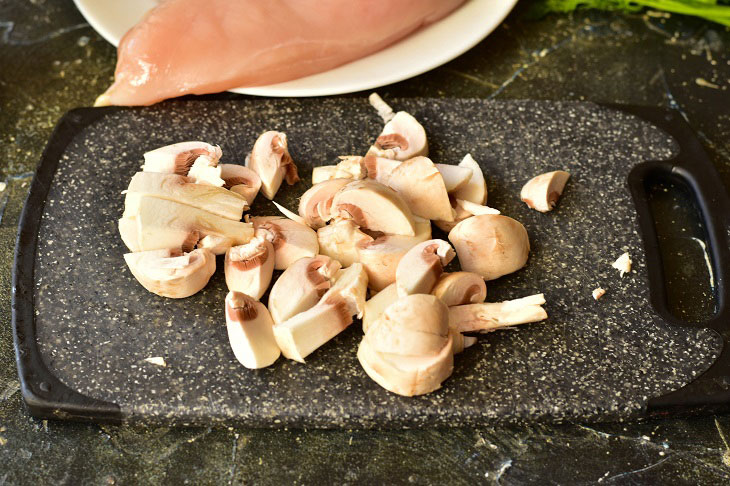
[{"x": 714, "y": 10}]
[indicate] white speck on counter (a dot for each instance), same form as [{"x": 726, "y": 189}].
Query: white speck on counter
[
  {"x": 157, "y": 360},
  {"x": 623, "y": 264},
  {"x": 598, "y": 293}
]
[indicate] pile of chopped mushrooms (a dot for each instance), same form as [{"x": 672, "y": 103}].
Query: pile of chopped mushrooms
[{"x": 364, "y": 226}]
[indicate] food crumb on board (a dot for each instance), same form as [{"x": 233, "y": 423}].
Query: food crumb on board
[
  {"x": 157, "y": 360},
  {"x": 623, "y": 264},
  {"x": 706, "y": 84},
  {"x": 598, "y": 293}
]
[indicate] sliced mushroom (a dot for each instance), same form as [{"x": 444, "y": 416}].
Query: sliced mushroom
[
  {"x": 542, "y": 192},
  {"x": 373, "y": 206},
  {"x": 475, "y": 190},
  {"x": 420, "y": 268},
  {"x": 401, "y": 139},
  {"x": 270, "y": 159},
  {"x": 249, "y": 267},
  {"x": 179, "y": 157},
  {"x": 316, "y": 203},
  {"x": 494, "y": 315},
  {"x": 379, "y": 168},
  {"x": 323, "y": 173},
  {"x": 241, "y": 180},
  {"x": 460, "y": 288},
  {"x": 218, "y": 245},
  {"x": 291, "y": 240},
  {"x": 339, "y": 240},
  {"x": 206, "y": 171},
  {"x": 352, "y": 284},
  {"x": 250, "y": 331},
  {"x": 350, "y": 167},
  {"x": 172, "y": 273},
  {"x": 475, "y": 209},
  {"x": 167, "y": 224},
  {"x": 459, "y": 342},
  {"x": 490, "y": 245},
  {"x": 381, "y": 256},
  {"x": 301, "y": 286},
  {"x": 377, "y": 305},
  {"x": 422, "y": 187},
  {"x": 181, "y": 189},
  {"x": 293, "y": 216},
  {"x": 455, "y": 177},
  {"x": 417, "y": 363}
]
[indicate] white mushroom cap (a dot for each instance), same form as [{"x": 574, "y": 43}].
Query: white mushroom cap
[
  {"x": 542, "y": 192},
  {"x": 270, "y": 159},
  {"x": 291, "y": 240},
  {"x": 241, "y": 180},
  {"x": 340, "y": 240},
  {"x": 490, "y": 245},
  {"x": 421, "y": 267},
  {"x": 315, "y": 204},
  {"x": 250, "y": 331},
  {"x": 249, "y": 267},
  {"x": 375, "y": 207},
  {"x": 301, "y": 286},
  {"x": 172, "y": 273},
  {"x": 460, "y": 288},
  {"x": 402, "y": 138},
  {"x": 179, "y": 157},
  {"x": 491, "y": 316},
  {"x": 422, "y": 187},
  {"x": 476, "y": 189}
]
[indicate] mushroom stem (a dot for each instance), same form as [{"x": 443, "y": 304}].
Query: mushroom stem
[
  {"x": 250, "y": 331},
  {"x": 383, "y": 108},
  {"x": 490, "y": 316}
]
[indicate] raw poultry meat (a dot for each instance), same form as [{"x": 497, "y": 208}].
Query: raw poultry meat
[{"x": 196, "y": 47}]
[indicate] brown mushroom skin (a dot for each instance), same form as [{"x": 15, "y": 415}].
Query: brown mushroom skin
[{"x": 490, "y": 245}]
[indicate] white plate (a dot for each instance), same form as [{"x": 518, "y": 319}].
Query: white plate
[{"x": 428, "y": 48}]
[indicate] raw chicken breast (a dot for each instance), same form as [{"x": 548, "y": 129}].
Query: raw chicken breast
[{"x": 206, "y": 46}]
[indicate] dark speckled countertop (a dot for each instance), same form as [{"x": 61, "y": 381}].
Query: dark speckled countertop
[{"x": 53, "y": 61}]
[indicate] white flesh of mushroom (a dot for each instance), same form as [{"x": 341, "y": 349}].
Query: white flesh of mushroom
[
  {"x": 542, "y": 192},
  {"x": 218, "y": 245},
  {"x": 249, "y": 267},
  {"x": 206, "y": 171},
  {"x": 420, "y": 268},
  {"x": 179, "y": 157},
  {"x": 377, "y": 305},
  {"x": 171, "y": 273},
  {"x": 293, "y": 216},
  {"x": 250, "y": 331},
  {"x": 323, "y": 173},
  {"x": 422, "y": 187},
  {"x": 475, "y": 190},
  {"x": 270, "y": 159},
  {"x": 490, "y": 316},
  {"x": 401, "y": 139},
  {"x": 291, "y": 240},
  {"x": 455, "y": 177},
  {"x": 339, "y": 241},
  {"x": 316, "y": 203},
  {"x": 241, "y": 180},
  {"x": 375, "y": 207}
]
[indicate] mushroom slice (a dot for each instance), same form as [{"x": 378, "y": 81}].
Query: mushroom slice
[
  {"x": 250, "y": 331},
  {"x": 350, "y": 167},
  {"x": 542, "y": 192},
  {"x": 323, "y": 173},
  {"x": 475, "y": 190},
  {"x": 455, "y": 177},
  {"x": 420, "y": 268},
  {"x": 422, "y": 187},
  {"x": 241, "y": 180},
  {"x": 490, "y": 245},
  {"x": 168, "y": 224},
  {"x": 339, "y": 240},
  {"x": 270, "y": 159},
  {"x": 352, "y": 284},
  {"x": 293, "y": 216},
  {"x": 249, "y": 267},
  {"x": 172, "y": 273},
  {"x": 218, "y": 245},
  {"x": 475, "y": 209},
  {"x": 181, "y": 189},
  {"x": 128, "y": 230},
  {"x": 379, "y": 168},
  {"x": 301, "y": 286},
  {"x": 383, "y": 109},
  {"x": 316, "y": 203},
  {"x": 490, "y": 316},
  {"x": 377, "y": 305},
  {"x": 375, "y": 207},
  {"x": 382, "y": 255},
  {"x": 459, "y": 342},
  {"x": 460, "y": 288},
  {"x": 179, "y": 157},
  {"x": 291, "y": 240},
  {"x": 206, "y": 171},
  {"x": 401, "y": 139}
]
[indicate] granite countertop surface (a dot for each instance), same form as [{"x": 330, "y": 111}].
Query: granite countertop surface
[{"x": 52, "y": 61}]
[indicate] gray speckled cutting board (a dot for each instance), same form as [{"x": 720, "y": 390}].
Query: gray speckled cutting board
[{"x": 589, "y": 361}]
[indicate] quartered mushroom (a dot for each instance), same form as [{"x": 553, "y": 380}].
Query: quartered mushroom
[
  {"x": 249, "y": 267},
  {"x": 401, "y": 139},
  {"x": 379, "y": 168},
  {"x": 542, "y": 192},
  {"x": 301, "y": 286},
  {"x": 340, "y": 240},
  {"x": 241, "y": 180},
  {"x": 490, "y": 245},
  {"x": 460, "y": 288},
  {"x": 179, "y": 157},
  {"x": 305, "y": 332},
  {"x": 375, "y": 207},
  {"x": 218, "y": 245},
  {"x": 316, "y": 203},
  {"x": 172, "y": 273},
  {"x": 420, "y": 184},
  {"x": 350, "y": 167},
  {"x": 491, "y": 316},
  {"x": 380, "y": 256},
  {"x": 206, "y": 171},
  {"x": 183, "y": 190},
  {"x": 455, "y": 177},
  {"x": 291, "y": 240},
  {"x": 377, "y": 304},
  {"x": 420, "y": 268},
  {"x": 323, "y": 173},
  {"x": 270, "y": 159},
  {"x": 409, "y": 349},
  {"x": 475, "y": 190},
  {"x": 250, "y": 331}
]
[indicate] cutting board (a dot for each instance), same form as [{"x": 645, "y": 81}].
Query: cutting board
[{"x": 84, "y": 327}]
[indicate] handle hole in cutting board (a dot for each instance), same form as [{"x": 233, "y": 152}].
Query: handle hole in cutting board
[{"x": 689, "y": 276}]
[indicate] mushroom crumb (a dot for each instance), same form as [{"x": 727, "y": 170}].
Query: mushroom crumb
[
  {"x": 157, "y": 360},
  {"x": 622, "y": 264},
  {"x": 598, "y": 293}
]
